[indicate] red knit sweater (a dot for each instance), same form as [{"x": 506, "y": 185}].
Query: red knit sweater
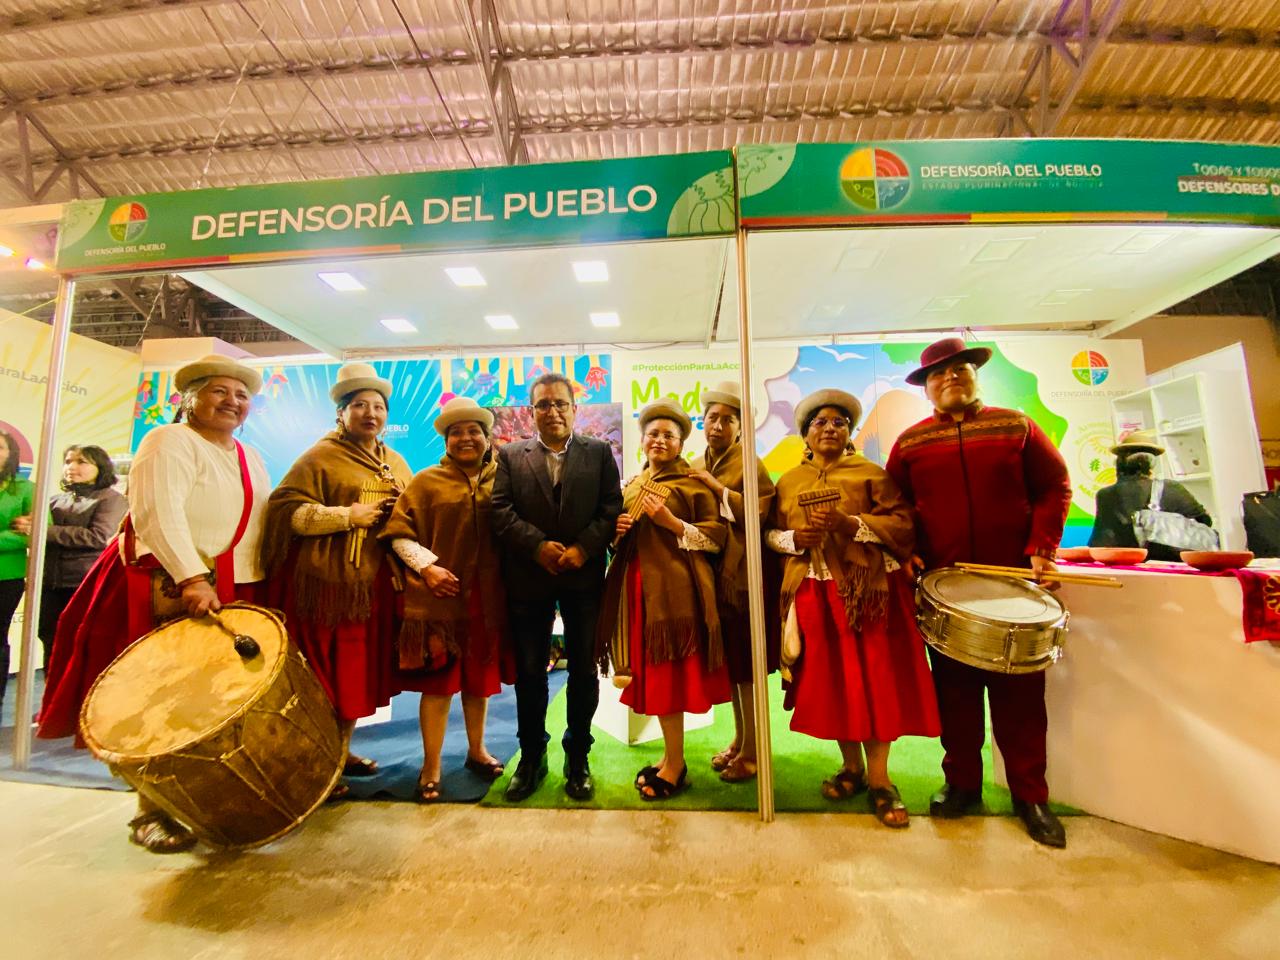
[{"x": 991, "y": 488}]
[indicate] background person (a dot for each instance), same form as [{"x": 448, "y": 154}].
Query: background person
[
  {"x": 15, "y": 526},
  {"x": 988, "y": 487},
  {"x": 555, "y": 500},
  {"x": 327, "y": 568},
  {"x": 191, "y": 542},
  {"x": 720, "y": 468},
  {"x": 1115, "y": 505},
  {"x": 83, "y": 519},
  {"x": 861, "y": 678},
  {"x": 454, "y": 637}
]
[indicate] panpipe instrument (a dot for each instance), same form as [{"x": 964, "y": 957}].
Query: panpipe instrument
[
  {"x": 374, "y": 490},
  {"x": 620, "y": 646},
  {"x": 812, "y": 501}
]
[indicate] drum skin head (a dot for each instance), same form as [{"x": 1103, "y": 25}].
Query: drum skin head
[
  {"x": 181, "y": 682},
  {"x": 994, "y": 599}
]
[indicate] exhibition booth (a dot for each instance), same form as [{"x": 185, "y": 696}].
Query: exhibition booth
[{"x": 806, "y": 266}]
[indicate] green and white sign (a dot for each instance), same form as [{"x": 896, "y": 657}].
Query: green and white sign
[
  {"x": 567, "y": 203},
  {"x": 939, "y": 181}
]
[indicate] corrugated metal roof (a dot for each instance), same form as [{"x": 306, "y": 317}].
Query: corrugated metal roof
[{"x": 142, "y": 95}]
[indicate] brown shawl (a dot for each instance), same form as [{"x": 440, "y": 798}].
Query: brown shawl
[
  {"x": 868, "y": 493},
  {"x": 448, "y": 512},
  {"x": 731, "y": 565},
  {"x": 331, "y": 473},
  {"x": 680, "y": 615}
]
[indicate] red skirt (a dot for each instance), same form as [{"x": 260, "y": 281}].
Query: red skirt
[
  {"x": 469, "y": 674},
  {"x": 93, "y": 631},
  {"x": 352, "y": 659},
  {"x": 676, "y": 686},
  {"x": 872, "y": 684}
]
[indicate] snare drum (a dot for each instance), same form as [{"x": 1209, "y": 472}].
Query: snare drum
[
  {"x": 239, "y": 748},
  {"x": 1001, "y": 624}
]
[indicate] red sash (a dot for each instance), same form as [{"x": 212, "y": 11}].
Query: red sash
[{"x": 139, "y": 570}]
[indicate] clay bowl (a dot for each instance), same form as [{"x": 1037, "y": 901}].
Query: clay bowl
[
  {"x": 1075, "y": 554},
  {"x": 1118, "y": 555},
  {"x": 1216, "y": 559}
]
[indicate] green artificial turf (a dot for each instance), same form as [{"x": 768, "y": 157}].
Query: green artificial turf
[{"x": 800, "y": 765}]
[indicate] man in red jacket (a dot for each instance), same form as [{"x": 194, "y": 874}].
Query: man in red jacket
[{"x": 988, "y": 486}]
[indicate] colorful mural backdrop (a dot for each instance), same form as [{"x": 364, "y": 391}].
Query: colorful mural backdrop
[{"x": 1064, "y": 383}]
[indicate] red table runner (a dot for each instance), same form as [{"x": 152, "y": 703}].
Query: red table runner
[{"x": 1260, "y": 590}]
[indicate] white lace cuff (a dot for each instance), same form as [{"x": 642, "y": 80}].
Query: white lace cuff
[
  {"x": 866, "y": 535},
  {"x": 726, "y": 511},
  {"x": 695, "y": 539},
  {"x": 782, "y": 541},
  {"x": 415, "y": 556},
  {"x": 315, "y": 520}
]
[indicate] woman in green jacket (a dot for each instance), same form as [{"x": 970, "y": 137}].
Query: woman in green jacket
[{"x": 15, "y": 503}]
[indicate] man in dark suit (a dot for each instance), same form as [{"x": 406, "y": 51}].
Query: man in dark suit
[{"x": 556, "y": 499}]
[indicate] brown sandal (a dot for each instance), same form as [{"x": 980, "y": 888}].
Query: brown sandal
[
  {"x": 738, "y": 771},
  {"x": 887, "y": 800},
  {"x": 722, "y": 759},
  {"x": 845, "y": 785},
  {"x": 485, "y": 769},
  {"x": 157, "y": 832}
]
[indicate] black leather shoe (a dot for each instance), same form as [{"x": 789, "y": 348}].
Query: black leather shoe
[
  {"x": 577, "y": 779},
  {"x": 952, "y": 802},
  {"x": 1042, "y": 824},
  {"x": 528, "y": 776}
]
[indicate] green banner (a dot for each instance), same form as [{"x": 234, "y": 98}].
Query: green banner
[
  {"x": 565, "y": 203},
  {"x": 939, "y": 181}
]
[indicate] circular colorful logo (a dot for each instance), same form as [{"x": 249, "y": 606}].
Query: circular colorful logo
[
  {"x": 1090, "y": 367},
  {"x": 875, "y": 179},
  {"x": 128, "y": 222}
]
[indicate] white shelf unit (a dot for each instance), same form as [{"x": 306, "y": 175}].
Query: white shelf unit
[{"x": 1204, "y": 420}]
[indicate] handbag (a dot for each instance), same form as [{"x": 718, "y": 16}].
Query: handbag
[{"x": 1154, "y": 526}]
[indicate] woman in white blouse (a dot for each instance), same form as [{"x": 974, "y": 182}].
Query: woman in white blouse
[{"x": 196, "y": 498}]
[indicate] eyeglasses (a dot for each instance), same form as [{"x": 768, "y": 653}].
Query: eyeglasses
[
  {"x": 546, "y": 406},
  {"x": 838, "y": 423}
]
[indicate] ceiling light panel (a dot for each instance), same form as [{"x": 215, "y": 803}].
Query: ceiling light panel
[
  {"x": 501, "y": 321},
  {"x": 398, "y": 325},
  {"x": 342, "y": 282},
  {"x": 465, "y": 276},
  {"x": 998, "y": 251},
  {"x": 858, "y": 258},
  {"x": 591, "y": 271},
  {"x": 1143, "y": 242},
  {"x": 606, "y": 319}
]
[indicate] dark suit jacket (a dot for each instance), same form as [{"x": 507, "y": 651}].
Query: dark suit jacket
[
  {"x": 525, "y": 513},
  {"x": 1116, "y": 505}
]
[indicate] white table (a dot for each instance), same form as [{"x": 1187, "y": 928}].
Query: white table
[{"x": 1162, "y": 717}]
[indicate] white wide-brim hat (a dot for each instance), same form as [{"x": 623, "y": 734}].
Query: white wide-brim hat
[
  {"x": 828, "y": 398},
  {"x": 354, "y": 377},
  {"x": 215, "y": 365},
  {"x": 460, "y": 410},
  {"x": 727, "y": 392},
  {"x": 665, "y": 409}
]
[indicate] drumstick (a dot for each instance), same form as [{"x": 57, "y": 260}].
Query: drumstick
[{"x": 1025, "y": 573}]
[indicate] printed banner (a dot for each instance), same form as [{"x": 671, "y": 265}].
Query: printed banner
[
  {"x": 940, "y": 181},
  {"x": 564, "y": 203}
]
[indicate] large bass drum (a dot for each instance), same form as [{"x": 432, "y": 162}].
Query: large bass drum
[
  {"x": 239, "y": 746},
  {"x": 1001, "y": 624}
]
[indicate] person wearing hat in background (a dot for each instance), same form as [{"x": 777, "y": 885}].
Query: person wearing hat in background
[
  {"x": 660, "y": 625},
  {"x": 453, "y": 638},
  {"x": 327, "y": 569},
  {"x": 860, "y": 677},
  {"x": 189, "y": 544},
  {"x": 720, "y": 468},
  {"x": 555, "y": 499},
  {"x": 988, "y": 486},
  {"x": 1135, "y": 455}
]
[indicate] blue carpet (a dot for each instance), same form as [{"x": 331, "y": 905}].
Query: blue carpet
[{"x": 395, "y": 745}]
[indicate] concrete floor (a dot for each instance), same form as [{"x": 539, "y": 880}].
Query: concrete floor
[{"x": 375, "y": 880}]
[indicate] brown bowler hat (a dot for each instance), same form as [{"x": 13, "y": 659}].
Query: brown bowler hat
[{"x": 945, "y": 351}]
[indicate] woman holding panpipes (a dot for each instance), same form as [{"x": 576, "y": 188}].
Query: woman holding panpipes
[{"x": 857, "y": 664}]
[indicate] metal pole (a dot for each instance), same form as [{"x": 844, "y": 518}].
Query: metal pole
[
  {"x": 45, "y": 469},
  {"x": 755, "y": 573}
]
